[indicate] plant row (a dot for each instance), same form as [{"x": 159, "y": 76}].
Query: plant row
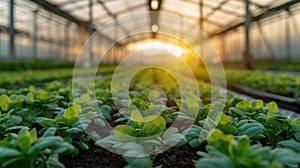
[
  {"x": 282, "y": 84},
  {"x": 40, "y": 124},
  {"x": 22, "y": 65},
  {"x": 14, "y": 78}
]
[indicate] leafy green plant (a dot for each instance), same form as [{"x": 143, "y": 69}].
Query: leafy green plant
[
  {"x": 226, "y": 150},
  {"x": 27, "y": 150},
  {"x": 140, "y": 126}
]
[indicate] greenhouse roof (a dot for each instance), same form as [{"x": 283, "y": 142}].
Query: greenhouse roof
[{"x": 217, "y": 15}]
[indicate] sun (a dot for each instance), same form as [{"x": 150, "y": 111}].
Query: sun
[{"x": 175, "y": 50}]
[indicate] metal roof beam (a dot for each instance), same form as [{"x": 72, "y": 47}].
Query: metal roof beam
[
  {"x": 194, "y": 18},
  {"x": 267, "y": 13},
  {"x": 123, "y": 11},
  {"x": 56, "y": 10},
  {"x": 69, "y": 2},
  {"x": 212, "y": 7},
  {"x": 111, "y": 14}
]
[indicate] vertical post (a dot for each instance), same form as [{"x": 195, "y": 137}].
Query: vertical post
[
  {"x": 50, "y": 48},
  {"x": 201, "y": 14},
  {"x": 116, "y": 38},
  {"x": 11, "y": 30},
  {"x": 91, "y": 31},
  {"x": 35, "y": 29},
  {"x": 201, "y": 25},
  {"x": 287, "y": 35},
  {"x": 223, "y": 47},
  {"x": 66, "y": 40},
  {"x": 247, "y": 54}
]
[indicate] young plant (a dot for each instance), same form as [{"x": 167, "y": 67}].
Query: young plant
[
  {"x": 226, "y": 150},
  {"x": 26, "y": 150}
]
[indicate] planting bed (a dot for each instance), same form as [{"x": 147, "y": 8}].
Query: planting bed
[{"x": 45, "y": 127}]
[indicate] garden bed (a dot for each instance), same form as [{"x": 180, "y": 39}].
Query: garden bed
[{"x": 42, "y": 126}]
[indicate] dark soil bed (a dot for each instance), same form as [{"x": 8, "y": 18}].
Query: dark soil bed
[{"x": 97, "y": 157}]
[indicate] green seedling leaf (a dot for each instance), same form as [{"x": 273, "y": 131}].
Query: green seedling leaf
[
  {"x": 236, "y": 111},
  {"x": 74, "y": 130},
  {"x": 297, "y": 136},
  {"x": 169, "y": 132},
  {"x": 43, "y": 143},
  {"x": 296, "y": 127},
  {"x": 49, "y": 132},
  {"x": 291, "y": 143},
  {"x": 257, "y": 104},
  {"x": 99, "y": 122},
  {"x": 124, "y": 133},
  {"x": 6, "y": 152},
  {"x": 176, "y": 140},
  {"x": 46, "y": 122}
]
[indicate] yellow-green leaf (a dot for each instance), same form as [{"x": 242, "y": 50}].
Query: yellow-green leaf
[
  {"x": 30, "y": 97},
  {"x": 33, "y": 135},
  {"x": 156, "y": 120},
  {"x": 31, "y": 88},
  {"x": 258, "y": 104},
  {"x": 137, "y": 117},
  {"x": 218, "y": 134},
  {"x": 295, "y": 120},
  {"x": 272, "y": 106},
  {"x": 72, "y": 111},
  {"x": 224, "y": 119},
  {"x": 5, "y": 101},
  {"x": 244, "y": 105}
]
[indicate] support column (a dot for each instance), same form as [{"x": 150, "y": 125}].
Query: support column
[
  {"x": 201, "y": 14},
  {"x": 287, "y": 36},
  {"x": 11, "y": 30},
  {"x": 50, "y": 43},
  {"x": 66, "y": 41},
  {"x": 201, "y": 27},
  {"x": 116, "y": 24},
  {"x": 247, "y": 54},
  {"x": 223, "y": 47},
  {"x": 91, "y": 31},
  {"x": 34, "y": 34}
]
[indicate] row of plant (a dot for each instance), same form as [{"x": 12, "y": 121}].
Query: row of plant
[
  {"x": 40, "y": 124},
  {"x": 282, "y": 84},
  {"x": 21, "y": 65},
  {"x": 15, "y": 78},
  {"x": 266, "y": 65}
]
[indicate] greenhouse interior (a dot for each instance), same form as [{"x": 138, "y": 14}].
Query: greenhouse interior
[{"x": 150, "y": 83}]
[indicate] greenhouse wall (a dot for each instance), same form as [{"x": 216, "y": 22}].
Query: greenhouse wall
[{"x": 267, "y": 43}]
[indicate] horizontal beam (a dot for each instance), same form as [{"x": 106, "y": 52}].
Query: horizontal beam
[
  {"x": 56, "y": 10},
  {"x": 132, "y": 8},
  {"x": 267, "y": 13}
]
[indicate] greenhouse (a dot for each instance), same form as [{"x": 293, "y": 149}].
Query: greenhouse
[{"x": 149, "y": 83}]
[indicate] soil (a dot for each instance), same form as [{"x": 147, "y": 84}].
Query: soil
[
  {"x": 97, "y": 157},
  {"x": 178, "y": 157},
  {"x": 94, "y": 157}
]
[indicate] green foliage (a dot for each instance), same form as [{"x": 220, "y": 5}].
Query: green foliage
[
  {"x": 140, "y": 126},
  {"x": 26, "y": 149},
  {"x": 247, "y": 131},
  {"x": 226, "y": 150}
]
